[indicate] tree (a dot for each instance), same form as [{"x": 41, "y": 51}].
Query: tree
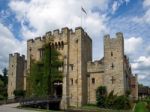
[
  {"x": 3, "y": 84},
  {"x": 43, "y": 73},
  {"x": 5, "y": 78}
]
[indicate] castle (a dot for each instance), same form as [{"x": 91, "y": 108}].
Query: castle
[{"x": 81, "y": 76}]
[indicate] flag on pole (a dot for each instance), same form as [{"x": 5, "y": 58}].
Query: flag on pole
[{"x": 83, "y": 10}]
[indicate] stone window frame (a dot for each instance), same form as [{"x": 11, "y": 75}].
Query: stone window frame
[
  {"x": 71, "y": 66},
  {"x": 71, "y": 81},
  {"x": 111, "y": 54},
  {"x": 93, "y": 80},
  {"x": 113, "y": 79},
  {"x": 112, "y": 66},
  {"x": 41, "y": 52}
]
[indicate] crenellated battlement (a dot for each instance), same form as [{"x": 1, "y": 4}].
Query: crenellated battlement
[
  {"x": 119, "y": 35},
  {"x": 17, "y": 55},
  {"x": 96, "y": 66},
  {"x": 107, "y": 36},
  {"x": 57, "y": 34}
]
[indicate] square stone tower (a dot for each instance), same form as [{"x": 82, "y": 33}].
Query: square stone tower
[
  {"x": 114, "y": 78},
  {"x": 16, "y": 74},
  {"x": 76, "y": 50}
]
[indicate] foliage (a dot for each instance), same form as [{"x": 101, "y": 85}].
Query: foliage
[
  {"x": 43, "y": 73},
  {"x": 36, "y": 74},
  {"x": 19, "y": 93},
  {"x": 141, "y": 107},
  {"x": 121, "y": 102},
  {"x": 128, "y": 92},
  {"x": 1, "y": 97},
  {"x": 101, "y": 96},
  {"x": 5, "y": 78},
  {"x": 111, "y": 101},
  {"x": 3, "y": 84},
  {"x": 148, "y": 105}
]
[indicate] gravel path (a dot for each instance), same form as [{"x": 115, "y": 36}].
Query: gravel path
[{"x": 12, "y": 108}]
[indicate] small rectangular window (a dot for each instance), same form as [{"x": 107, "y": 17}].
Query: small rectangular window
[
  {"x": 112, "y": 66},
  {"x": 41, "y": 52},
  {"x": 93, "y": 80},
  {"x": 71, "y": 81},
  {"x": 71, "y": 67},
  {"x": 111, "y": 53}
]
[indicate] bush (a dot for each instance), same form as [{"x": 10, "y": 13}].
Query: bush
[
  {"x": 122, "y": 102},
  {"x": 19, "y": 93},
  {"x": 111, "y": 101},
  {"x": 148, "y": 104},
  {"x": 1, "y": 97},
  {"x": 101, "y": 96}
]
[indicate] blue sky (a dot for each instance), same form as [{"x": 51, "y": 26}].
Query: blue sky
[{"x": 24, "y": 19}]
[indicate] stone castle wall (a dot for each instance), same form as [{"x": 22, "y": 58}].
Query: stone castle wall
[
  {"x": 114, "y": 64},
  {"x": 17, "y": 66},
  {"x": 76, "y": 49},
  {"x": 81, "y": 76},
  {"x": 134, "y": 87},
  {"x": 95, "y": 79}
]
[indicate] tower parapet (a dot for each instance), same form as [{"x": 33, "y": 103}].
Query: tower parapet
[
  {"x": 16, "y": 73},
  {"x": 95, "y": 67}
]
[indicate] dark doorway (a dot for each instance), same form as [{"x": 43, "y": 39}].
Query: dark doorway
[{"x": 58, "y": 89}]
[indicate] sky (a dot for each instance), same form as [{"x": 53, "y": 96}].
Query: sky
[{"x": 21, "y": 20}]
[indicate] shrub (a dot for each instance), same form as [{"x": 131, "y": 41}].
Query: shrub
[
  {"x": 122, "y": 102},
  {"x": 1, "y": 97},
  {"x": 148, "y": 104},
  {"x": 111, "y": 101},
  {"x": 19, "y": 93},
  {"x": 100, "y": 96}
]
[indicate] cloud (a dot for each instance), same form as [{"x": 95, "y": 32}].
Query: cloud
[
  {"x": 142, "y": 63},
  {"x": 40, "y": 16},
  {"x": 117, "y": 4},
  {"x": 141, "y": 66},
  {"x": 148, "y": 50},
  {"x": 146, "y": 16},
  {"x": 146, "y": 3},
  {"x": 9, "y": 44},
  {"x": 132, "y": 44}
]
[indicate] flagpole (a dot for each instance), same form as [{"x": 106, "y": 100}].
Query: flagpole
[
  {"x": 82, "y": 11},
  {"x": 81, "y": 18}
]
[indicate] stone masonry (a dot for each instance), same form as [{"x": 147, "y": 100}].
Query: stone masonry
[
  {"x": 76, "y": 51},
  {"x": 16, "y": 73},
  {"x": 112, "y": 71},
  {"x": 81, "y": 76}
]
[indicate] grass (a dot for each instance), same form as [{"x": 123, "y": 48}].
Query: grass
[
  {"x": 141, "y": 107},
  {"x": 97, "y": 109}
]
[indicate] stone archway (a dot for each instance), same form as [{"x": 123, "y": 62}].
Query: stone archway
[{"x": 57, "y": 88}]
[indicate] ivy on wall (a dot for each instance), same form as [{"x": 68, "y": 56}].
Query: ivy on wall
[{"x": 45, "y": 72}]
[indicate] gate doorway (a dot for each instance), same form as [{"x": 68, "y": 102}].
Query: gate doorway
[{"x": 57, "y": 88}]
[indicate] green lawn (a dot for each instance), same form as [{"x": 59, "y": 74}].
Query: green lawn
[{"x": 141, "y": 107}]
